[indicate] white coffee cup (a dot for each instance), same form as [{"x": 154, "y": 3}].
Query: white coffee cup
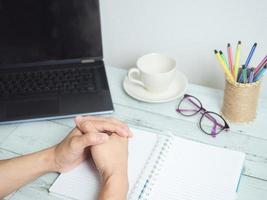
[{"x": 155, "y": 72}]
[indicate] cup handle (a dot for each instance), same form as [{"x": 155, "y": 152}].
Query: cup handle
[{"x": 134, "y": 80}]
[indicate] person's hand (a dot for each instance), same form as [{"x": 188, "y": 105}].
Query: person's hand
[
  {"x": 111, "y": 157},
  {"x": 111, "y": 160},
  {"x": 90, "y": 131},
  {"x": 72, "y": 150}
]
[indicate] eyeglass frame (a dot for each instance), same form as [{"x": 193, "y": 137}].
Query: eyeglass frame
[{"x": 226, "y": 127}]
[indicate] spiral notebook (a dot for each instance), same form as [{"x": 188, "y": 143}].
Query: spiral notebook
[{"x": 163, "y": 168}]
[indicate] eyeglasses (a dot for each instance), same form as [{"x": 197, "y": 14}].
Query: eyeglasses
[{"x": 210, "y": 123}]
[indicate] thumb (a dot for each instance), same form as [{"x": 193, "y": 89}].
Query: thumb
[{"x": 90, "y": 139}]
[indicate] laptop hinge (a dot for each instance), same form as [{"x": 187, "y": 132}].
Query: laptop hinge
[{"x": 88, "y": 61}]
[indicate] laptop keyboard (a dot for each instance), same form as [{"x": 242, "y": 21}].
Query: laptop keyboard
[{"x": 58, "y": 81}]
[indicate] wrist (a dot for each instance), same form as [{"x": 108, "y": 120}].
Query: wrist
[
  {"x": 114, "y": 187},
  {"x": 47, "y": 160}
]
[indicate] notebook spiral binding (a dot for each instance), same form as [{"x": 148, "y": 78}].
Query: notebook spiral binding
[{"x": 154, "y": 164}]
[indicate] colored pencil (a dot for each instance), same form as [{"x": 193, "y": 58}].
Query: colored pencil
[
  {"x": 230, "y": 58},
  {"x": 239, "y": 75},
  {"x": 250, "y": 54},
  {"x": 260, "y": 73},
  {"x": 244, "y": 74},
  {"x": 251, "y": 75},
  {"x": 237, "y": 58},
  {"x": 260, "y": 65},
  {"x": 224, "y": 66},
  {"x": 224, "y": 59}
]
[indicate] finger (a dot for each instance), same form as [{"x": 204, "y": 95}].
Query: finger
[
  {"x": 108, "y": 126},
  {"x": 114, "y": 121},
  {"x": 84, "y": 125},
  {"x": 90, "y": 139},
  {"x": 78, "y": 120},
  {"x": 123, "y": 125},
  {"x": 75, "y": 132},
  {"x": 87, "y": 117},
  {"x": 103, "y": 125}
]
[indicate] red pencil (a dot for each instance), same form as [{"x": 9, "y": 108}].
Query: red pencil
[{"x": 230, "y": 58}]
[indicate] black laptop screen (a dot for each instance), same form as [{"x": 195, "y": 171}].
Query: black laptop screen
[{"x": 45, "y": 30}]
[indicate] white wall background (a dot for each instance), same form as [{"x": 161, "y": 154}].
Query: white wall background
[{"x": 188, "y": 30}]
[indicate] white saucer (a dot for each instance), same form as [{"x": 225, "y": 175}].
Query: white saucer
[{"x": 176, "y": 89}]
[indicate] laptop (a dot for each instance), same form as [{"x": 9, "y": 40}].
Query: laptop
[{"x": 51, "y": 60}]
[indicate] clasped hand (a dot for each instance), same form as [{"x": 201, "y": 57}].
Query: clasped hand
[{"x": 107, "y": 140}]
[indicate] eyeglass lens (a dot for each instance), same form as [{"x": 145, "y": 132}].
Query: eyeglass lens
[
  {"x": 189, "y": 106},
  {"x": 211, "y": 123}
]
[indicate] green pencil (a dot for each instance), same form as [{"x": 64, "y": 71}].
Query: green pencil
[
  {"x": 244, "y": 74},
  {"x": 224, "y": 59}
]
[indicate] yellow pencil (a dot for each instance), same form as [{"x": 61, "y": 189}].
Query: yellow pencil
[
  {"x": 237, "y": 58},
  {"x": 224, "y": 66}
]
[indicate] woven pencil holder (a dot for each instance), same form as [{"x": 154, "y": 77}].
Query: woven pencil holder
[{"x": 240, "y": 101}]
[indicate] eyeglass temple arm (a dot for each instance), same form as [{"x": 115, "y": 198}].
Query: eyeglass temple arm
[
  {"x": 213, "y": 130},
  {"x": 213, "y": 120}
]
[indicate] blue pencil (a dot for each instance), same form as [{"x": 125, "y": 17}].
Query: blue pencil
[
  {"x": 251, "y": 75},
  {"x": 250, "y": 54},
  {"x": 260, "y": 73},
  {"x": 239, "y": 76}
]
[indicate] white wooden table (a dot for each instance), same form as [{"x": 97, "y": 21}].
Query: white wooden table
[{"x": 250, "y": 138}]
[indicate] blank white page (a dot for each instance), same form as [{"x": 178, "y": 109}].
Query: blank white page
[
  {"x": 195, "y": 171},
  {"x": 83, "y": 183}
]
